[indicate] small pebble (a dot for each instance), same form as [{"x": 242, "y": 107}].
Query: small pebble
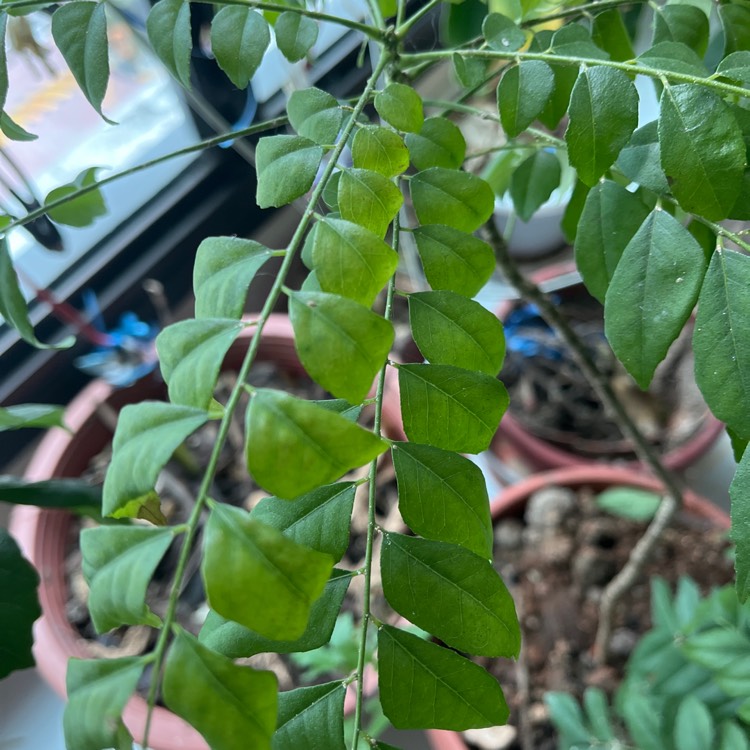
[
  {"x": 622, "y": 642},
  {"x": 492, "y": 738},
  {"x": 548, "y": 508},
  {"x": 509, "y": 535}
]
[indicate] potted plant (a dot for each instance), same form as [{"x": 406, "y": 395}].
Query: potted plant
[{"x": 651, "y": 252}]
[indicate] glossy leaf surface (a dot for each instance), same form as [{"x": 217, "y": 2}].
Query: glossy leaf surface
[
  {"x": 739, "y": 491},
  {"x": 502, "y": 34},
  {"x": 640, "y": 160},
  {"x": 239, "y": 39},
  {"x": 286, "y": 167},
  {"x": 379, "y": 150},
  {"x": 369, "y": 199},
  {"x": 168, "y": 27},
  {"x": 311, "y": 717}
]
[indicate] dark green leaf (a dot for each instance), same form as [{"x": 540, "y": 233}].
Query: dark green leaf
[
  {"x": 368, "y": 199},
  {"x": 295, "y": 35},
  {"x": 342, "y": 344},
  {"x": 316, "y": 115},
  {"x": 652, "y": 294},
  {"x": 224, "y": 268},
  {"x": 611, "y": 34},
  {"x": 603, "y": 116},
  {"x": 13, "y": 130},
  {"x": 450, "y": 592},
  {"x": 445, "y": 196},
  {"x": 452, "y": 330},
  {"x": 233, "y": 707},
  {"x": 735, "y": 20},
  {"x": 80, "y": 33},
  {"x": 502, "y": 34},
  {"x": 20, "y": 607},
  {"x": 400, "y": 105},
  {"x": 311, "y": 718},
  {"x": 574, "y": 39},
  {"x": 324, "y": 445},
  {"x": 640, "y": 160},
  {"x": 533, "y": 181},
  {"x": 573, "y": 211},
  {"x": 168, "y": 27},
  {"x": 146, "y": 437},
  {"x": 286, "y": 167},
  {"x": 597, "y": 710},
  {"x": 522, "y": 94},
  {"x": 3, "y": 61},
  {"x": 439, "y": 143},
  {"x": 738, "y": 444},
  {"x": 682, "y": 23},
  {"x": 629, "y": 502},
  {"x": 239, "y": 39},
  {"x": 379, "y": 150},
  {"x": 443, "y": 496},
  {"x": 343, "y": 407},
  {"x": 31, "y": 415},
  {"x": 454, "y": 260},
  {"x": 739, "y": 491},
  {"x": 82, "y": 210},
  {"x": 737, "y": 67},
  {"x": 675, "y": 57},
  {"x": 557, "y": 105},
  {"x": 119, "y": 562},
  {"x": 470, "y": 71},
  {"x": 567, "y": 717},
  {"x": 73, "y": 494},
  {"x": 351, "y": 261},
  {"x": 453, "y": 693},
  {"x": 702, "y": 150},
  {"x": 449, "y": 407},
  {"x": 694, "y": 727},
  {"x": 258, "y": 577}
]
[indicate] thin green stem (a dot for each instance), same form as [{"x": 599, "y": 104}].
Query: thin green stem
[
  {"x": 400, "y": 12},
  {"x": 403, "y": 28},
  {"x": 234, "y": 398},
  {"x": 580, "y": 10}
]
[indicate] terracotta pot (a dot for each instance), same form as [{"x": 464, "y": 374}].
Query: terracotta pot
[{"x": 511, "y": 502}]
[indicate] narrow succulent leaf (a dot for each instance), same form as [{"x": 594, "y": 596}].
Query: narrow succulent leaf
[
  {"x": 717, "y": 647},
  {"x": 454, "y": 260},
  {"x": 597, "y": 710},
  {"x": 694, "y": 727},
  {"x": 80, "y": 211},
  {"x": 739, "y": 492},
  {"x": 533, "y": 182},
  {"x": 522, "y": 94},
  {"x": 168, "y": 28},
  {"x": 324, "y": 445},
  {"x": 256, "y": 576},
  {"x": 652, "y": 294},
  {"x": 702, "y": 150},
  {"x": 379, "y": 150},
  {"x": 190, "y": 355},
  {"x": 445, "y": 196},
  {"x": 603, "y": 116},
  {"x": 400, "y": 105},
  {"x": 224, "y": 268},
  {"x": 351, "y": 261},
  {"x": 682, "y": 23},
  {"x": 629, "y": 502},
  {"x": 239, "y": 39},
  {"x": 502, "y": 34},
  {"x": 439, "y": 143},
  {"x": 235, "y": 641},
  {"x": 233, "y": 707},
  {"x": 316, "y": 115},
  {"x": 449, "y": 407},
  {"x": 75, "y": 495},
  {"x": 450, "y": 592},
  {"x": 369, "y": 199},
  {"x": 454, "y": 693},
  {"x": 452, "y": 330},
  {"x": 295, "y": 34},
  {"x": 31, "y": 415},
  {"x": 735, "y": 22},
  {"x": 319, "y": 520},
  {"x": 567, "y": 717},
  {"x": 80, "y": 33},
  {"x": 642, "y": 721},
  {"x": 146, "y": 437},
  {"x": 20, "y": 605},
  {"x": 97, "y": 693},
  {"x": 640, "y": 160},
  {"x": 286, "y": 167},
  {"x": 311, "y": 717},
  {"x": 119, "y": 562},
  {"x": 733, "y": 737},
  {"x": 443, "y": 496}
]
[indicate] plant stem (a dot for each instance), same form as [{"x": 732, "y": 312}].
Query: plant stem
[
  {"x": 579, "y": 10},
  {"x": 403, "y": 28},
  {"x": 645, "y": 452}
]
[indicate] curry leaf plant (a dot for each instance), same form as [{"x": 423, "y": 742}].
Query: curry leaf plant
[{"x": 378, "y": 178}]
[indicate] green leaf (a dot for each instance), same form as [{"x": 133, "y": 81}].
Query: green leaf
[
  {"x": 736, "y": 67},
  {"x": 72, "y": 494},
  {"x": 342, "y": 344},
  {"x": 119, "y": 563},
  {"x": 449, "y": 407},
  {"x": 147, "y": 435},
  {"x": 522, "y": 94},
  {"x": 331, "y": 193},
  {"x": 3, "y": 61},
  {"x": 567, "y": 717},
  {"x": 379, "y": 150},
  {"x": 235, "y": 641},
  {"x": 368, "y": 199},
  {"x": 470, "y": 71},
  {"x": 443, "y": 496},
  {"x": 603, "y": 116},
  {"x": 675, "y": 57},
  {"x": 682, "y": 23},
  {"x": 640, "y": 160},
  {"x": 445, "y": 196},
  {"x": 610, "y": 218},
  {"x": 439, "y": 143},
  {"x": 450, "y": 592},
  {"x": 80, "y": 33},
  {"x": 80, "y": 211},
  {"x": 642, "y": 721},
  {"x": 735, "y": 21},
  {"x": 702, "y": 150},
  {"x": 316, "y": 115},
  {"x": 13, "y": 306},
  {"x": 97, "y": 693},
  {"x": 232, "y": 707},
  {"x": 739, "y": 491},
  {"x": 258, "y": 577},
  {"x": 629, "y": 502},
  {"x": 311, "y": 718},
  {"x": 319, "y": 520},
  {"x": 224, "y": 268},
  {"x": 739, "y": 444},
  {"x": 597, "y": 710},
  {"x": 20, "y": 606},
  {"x": 13, "y": 130},
  {"x": 190, "y": 354},
  {"x": 502, "y": 34},
  {"x": 31, "y": 415},
  {"x": 611, "y": 34},
  {"x": 324, "y": 445},
  {"x": 573, "y": 211},
  {"x": 652, "y": 294},
  {"x": 286, "y": 167},
  {"x": 239, "y": 39},
  {"x": 452, "y": 330},
  {"x": 295, "y": 34},
  {"x": 168, "y": 28},
  {"x": 453, "y": 260},
  {"x": 400, "y": 106},
  {"x": 733, "y": 737},
  {"x": 453, "y": 693},
  {"x": 351, "y": 261},
  {"x": 717, "y": 647},
  {"x": 533, "y": 181},
  {"x": 721, "y": 340},
  {"x": 694, "y": 727}
]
